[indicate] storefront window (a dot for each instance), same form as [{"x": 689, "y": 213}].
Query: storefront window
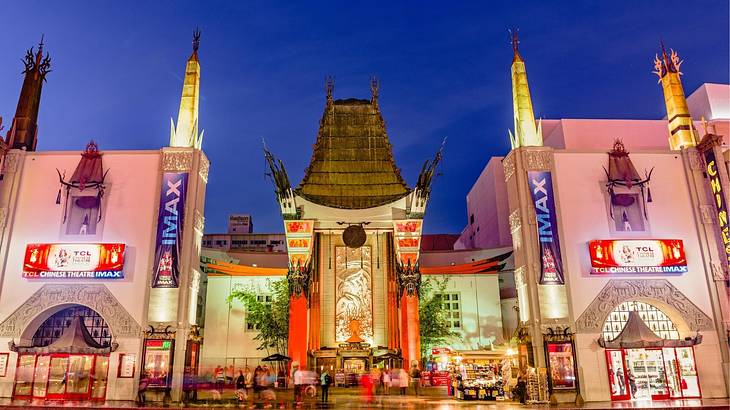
[
  {"x": 41, "y": 376},
  {"x": 101, "y": 373},
  {"x": 562, "y": 370},
  {"x": 157, "y": 361},
  {"x": 24, "y": 375},
  {"x": 654, "y": 318},
  {"x": 689, "y": 382},
  {"x": 79, "y": 374}
]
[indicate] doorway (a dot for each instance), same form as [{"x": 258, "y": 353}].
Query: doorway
[{"x": 61, "y": 376}]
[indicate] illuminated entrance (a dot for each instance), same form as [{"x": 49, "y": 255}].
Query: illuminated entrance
[
  {"x": 644, "y": 356},
  {"x": 68, "y": 358}
]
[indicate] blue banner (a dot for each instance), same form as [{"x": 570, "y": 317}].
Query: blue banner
[
  {"x": 541, "y": 190},
  {"x": 170, "y": 220}
]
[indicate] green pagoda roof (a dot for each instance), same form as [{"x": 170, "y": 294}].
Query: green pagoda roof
[{"x": 352, "y": 166}]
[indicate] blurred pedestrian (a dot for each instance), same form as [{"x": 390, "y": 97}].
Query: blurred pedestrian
[
  {"x": 325, "y": 381},
  {"x": 403, "y": 381},
  {"x": 415, "y": 378},
  {"x": 386, "y": 381}
]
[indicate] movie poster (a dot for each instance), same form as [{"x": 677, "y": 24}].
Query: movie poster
[
  {"x": 171, "y": 216},
  {"x": 541, "y": 190},
  {"x": 562, "y": 368}
]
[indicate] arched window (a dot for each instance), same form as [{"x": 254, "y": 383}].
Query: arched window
[
  {"x": 54, "y": 326},
  {"x": 654, "y": 318}
]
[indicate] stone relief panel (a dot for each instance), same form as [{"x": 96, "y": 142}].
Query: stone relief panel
[
  {"x": 97, "y": 297},
  {"x": 618, "y": 291},
  {"x": 177, "y": 160},
  {"x": 199, "y": 223},
  {"x": 3, "y": 217},
  {"x": 707, "y": 212},
  {"x": 204, "y": 168},
  {"x": 11, "y": 161},
  {"x": 695, "y": 163},
  {"x": 520, "y": 276},
  {"x": 514, "y": 220},
  {"x": 509, "y": 166},
  {"x": 538, "y": 160}
]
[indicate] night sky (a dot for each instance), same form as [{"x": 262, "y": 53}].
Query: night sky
[{"x": 444, "y": 72}]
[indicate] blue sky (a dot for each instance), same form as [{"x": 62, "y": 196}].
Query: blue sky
[{"x": 443, "y": 68}]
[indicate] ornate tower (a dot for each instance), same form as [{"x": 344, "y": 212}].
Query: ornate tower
[
  {"x": 525, "y": 133},
  {"x": 24, "y": 129},
  {"x": 186, "y": 133},
  {"x": 681, "y": 134}
]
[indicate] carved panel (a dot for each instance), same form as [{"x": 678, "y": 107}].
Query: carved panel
[
  {"x": 204, "y": 168},
  {"x": 695, "y": 162},
  {"x": 97, "y": 297},
  {"x": 538, "y": 160},
  {"x": 618, "y": 291},
  {"x": 177, "y": 160},
  {"x": 520, "y": 277},
  {"x": 514, "y": 220},
  {"x": 707, "y": 212},
  {"x": 12, "y": 159},
  {"x": 199, "y": 223},
  {"x": 509, "y": 166},
  {"x": 3, "y": 217},
  {"x": 718, "y": 273}
]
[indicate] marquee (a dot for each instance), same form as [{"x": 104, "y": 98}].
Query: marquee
[
  {"x": 637, "y": 256},
  {"x": 74, "y": 261}
]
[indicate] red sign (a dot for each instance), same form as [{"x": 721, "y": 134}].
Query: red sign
[
  {"x": 637, "y": 256},
  {"x": 435, "y": 351},
  {"x": 74, "y": 261}
]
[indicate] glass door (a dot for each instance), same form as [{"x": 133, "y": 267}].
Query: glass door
[
  {"x": 57, "y": 377},
  {"x": 101, "y": 373},
  {"x": 79, "y": 376},
  {"x": 670, "y": 366},
  {"x": 617, "y": 375},
  {"x": 24, "y": 375},
  {"x": 40, "y": 381},
  {"x": 656, "y": 374},
  {"x": 689, "y": 381}
]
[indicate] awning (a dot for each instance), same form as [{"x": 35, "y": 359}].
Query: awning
[
  {"x": 490, "y": 265},
  {"x": 636, "y": 335},
  {"x": 74, "y": 339}
]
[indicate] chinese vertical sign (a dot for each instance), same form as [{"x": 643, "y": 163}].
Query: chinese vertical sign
[
  {"x": 541, "y": 190},
  {"x": 166, "y": 270},
  {"x": 718, "y": 199}
]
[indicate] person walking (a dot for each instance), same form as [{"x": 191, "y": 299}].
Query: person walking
[
  {"x": 386, "y": 382},
  {"x": 220, "y": 378},
  {"x": 325, "y": 381},
  {"x": 144, "y": 381},
  {"x": 403, "y": 381},
  {"x": 415, "y": 378},
  {"x": 297, "y": 377},
  {"x": 248, "y": 383}
]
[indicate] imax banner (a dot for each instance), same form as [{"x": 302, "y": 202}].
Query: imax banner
[
  {"x": 541, "y": 190},
  {"x": 169, "y": 230}
]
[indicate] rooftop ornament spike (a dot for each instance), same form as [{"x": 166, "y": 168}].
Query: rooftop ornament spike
[
  {"x": 622, "y": 173},
  {"x": 196, "y": 39},
  {"x": 514, "y": 41},
  {"x": 374, "y": 90},
  {"x": 329, "y": 86},
  {"x": 668, "y": 63}
]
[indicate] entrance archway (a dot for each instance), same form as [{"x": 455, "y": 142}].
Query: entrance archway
[{"x": 67, "y": 357}]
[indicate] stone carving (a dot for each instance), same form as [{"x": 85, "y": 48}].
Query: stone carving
[
  {"x": 618, "y": 291},
  {"x": 97, "y": 297},
  {"x": 707, "y": 212},
  {"x": 11, "y": 161},
  {"x": 520, "y": 277},
  {"x": 3, "y": 217},
  {"x": 695, "y": 163},
  {"x": 199, "y": 222},
  {"x": 516, "y": 239},
  {"x": 299, "y": 277},
  {"x": 718, "y": 274},
  {"x": 177, "y": 160},
  {"x": 204, "y": 168},
  {"x": 514, "y": 220},
  {"x": 538, "y": 160},
  {"x": 509, "y": 166},
  {"x": 409, "y": 279}
]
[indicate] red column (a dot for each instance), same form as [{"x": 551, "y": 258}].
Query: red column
[
  {"x": 298, "y": 329},
  {"x": 410, "y": 330}
]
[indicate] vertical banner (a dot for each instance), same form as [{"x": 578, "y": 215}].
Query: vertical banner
[
  {"x": 169, "y": 230},
  {"x": 541, "y": 190},
  {"x": 718, "y": 199}
]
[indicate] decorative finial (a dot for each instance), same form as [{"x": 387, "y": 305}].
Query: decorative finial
[
  {"x": 514, "y": 39},
  {"x": 196, "y": 39},
  {"x": 374, "y": 89},
  {"x": 329, "y": 86},
  {"x": 668, "y": 63}
]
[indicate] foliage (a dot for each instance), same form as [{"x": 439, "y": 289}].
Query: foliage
[
  {"x": 271, "y": 319},
  {"x": 433, "y": 318}
]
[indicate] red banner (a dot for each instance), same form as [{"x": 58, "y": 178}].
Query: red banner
[
  {"x": 637, "y": 256},
  {"x": 74, "y": 261}
]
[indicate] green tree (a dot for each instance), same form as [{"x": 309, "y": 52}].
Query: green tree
[
  {"x": 270, "y": 319},
  {"x": 433, "y": 318}
]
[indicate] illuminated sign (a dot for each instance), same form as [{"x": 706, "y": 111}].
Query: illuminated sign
[
  {"x": 718, "y": 198},
  {"x": 74, "y": 261},
  {"x": 637, "y": 256},
  {"x": 170, "y": 218},
  {"x": 541, "y": 190}
]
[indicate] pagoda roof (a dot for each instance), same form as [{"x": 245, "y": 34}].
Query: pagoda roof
[
  {"x": 352, "y": 165},
  {"x": 636, "y": 335},
  {"x": 74, "y": 339}
]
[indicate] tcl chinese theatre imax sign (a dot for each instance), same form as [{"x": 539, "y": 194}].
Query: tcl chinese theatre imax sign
[{"x": 74, "y": 261}]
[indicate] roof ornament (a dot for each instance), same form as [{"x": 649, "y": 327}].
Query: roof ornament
[
  {"x": 374, "y": 90},
  {"x": 41, "y": 65},
  {"x": 329, "y": 86},
  {"x": 278, "y": 175},
  {"x": 514, "y": 40},
  {"x": 196, "y": 39},
  {"x": 622, "y": 173},
  {"x": 428, "y": 172},
  {"x": 89, "y": 173},
  {"x": 667, "y": 63}
]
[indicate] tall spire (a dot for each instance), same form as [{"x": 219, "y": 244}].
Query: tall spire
[
  {"x": 525, "y": 132},
  {"x": 186, "y": 133},
  {"x": 23, "y": 132},
  {"x": 681, "y": 134}
]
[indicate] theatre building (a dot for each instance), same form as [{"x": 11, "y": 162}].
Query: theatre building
[
  {"x": 620, "y": 238},
  {"x": 99, "y": 251}
]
